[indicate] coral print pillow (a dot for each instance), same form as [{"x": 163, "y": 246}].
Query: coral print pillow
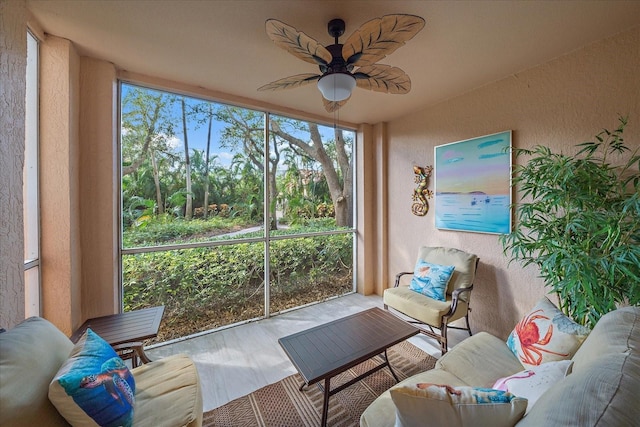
[
  {"x": 94, "y": 386},
  {"x": 545, "y": 334},
  {"x": 431, "y": 279}
]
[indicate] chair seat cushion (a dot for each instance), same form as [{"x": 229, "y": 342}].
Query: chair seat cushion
[
  {"x": 421, "y": 307},
  {"x": 172, "y": 382}
]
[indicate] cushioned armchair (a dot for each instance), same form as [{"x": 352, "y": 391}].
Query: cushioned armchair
[{"x": 436, "y": 295}]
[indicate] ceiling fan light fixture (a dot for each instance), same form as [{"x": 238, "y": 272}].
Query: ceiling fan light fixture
[{"x": 336, "y": 86}]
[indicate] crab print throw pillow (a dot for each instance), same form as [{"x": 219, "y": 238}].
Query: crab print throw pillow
[
  {"x": 94, "y": 386},
  {"x": 545, "y": 334},
  {"x": 431, "y": 279}
]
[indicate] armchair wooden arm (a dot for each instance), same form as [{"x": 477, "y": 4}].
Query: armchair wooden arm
[
  {"x": 399, "y": 275},
  {"x": 455, "y": 296}
]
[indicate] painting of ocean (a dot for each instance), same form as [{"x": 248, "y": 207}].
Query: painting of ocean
[
  {"x": 473, "y": 184},
  {"x": 473, "y": 212}
]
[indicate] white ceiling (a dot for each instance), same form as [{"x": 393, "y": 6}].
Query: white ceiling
[{"x": 221, "y": 45}]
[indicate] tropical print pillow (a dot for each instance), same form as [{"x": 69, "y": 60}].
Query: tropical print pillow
[
  {"x": 464, "y": 394},
  {"x": 431, "y": 279},
  {"x": 94, "y": 386},
  {"x": 439, "y": 404},
  {"x": 545, "y": 334}
]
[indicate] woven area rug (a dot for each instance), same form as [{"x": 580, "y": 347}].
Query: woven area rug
[{"x": 283, "y": 405}]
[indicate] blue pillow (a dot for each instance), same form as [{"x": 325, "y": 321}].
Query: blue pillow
[
  {"x": 431, "y": 279},
  {"x": 94, "y": 386}
]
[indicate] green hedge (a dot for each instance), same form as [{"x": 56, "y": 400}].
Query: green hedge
[{"x": 193, "y": 282}]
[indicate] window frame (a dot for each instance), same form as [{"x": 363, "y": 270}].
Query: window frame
[
  {"x": 31, "y": 182},
  {"x": 267, "y": 237}
]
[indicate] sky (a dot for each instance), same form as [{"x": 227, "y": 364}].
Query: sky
[{"x": 478, "y": 164}]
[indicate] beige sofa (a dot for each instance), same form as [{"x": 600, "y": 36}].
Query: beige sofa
[
  {"x": 602, "y": 390},
  {"x": 167, "y": 390}
]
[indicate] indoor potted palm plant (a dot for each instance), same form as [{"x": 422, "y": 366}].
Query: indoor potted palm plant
[{"x": 578, "y": 221}]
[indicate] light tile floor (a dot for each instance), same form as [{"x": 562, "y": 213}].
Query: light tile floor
[{"x": 236, "y": 361}]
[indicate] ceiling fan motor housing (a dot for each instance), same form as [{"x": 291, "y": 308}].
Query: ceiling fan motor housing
[
  {"x": 337, "y": 64},
  {"x": 336, "y": 28}
]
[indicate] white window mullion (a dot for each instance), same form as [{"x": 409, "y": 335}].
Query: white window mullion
[{"x": 31, "y": 204}]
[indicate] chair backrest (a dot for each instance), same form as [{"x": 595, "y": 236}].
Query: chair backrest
[{"x": 465, "y": 266}]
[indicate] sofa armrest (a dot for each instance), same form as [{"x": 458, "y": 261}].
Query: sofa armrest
[
  {"x": 168, "y": 393},
  {"x": 480, "y": 360},
  {"x": 30, "y": 355}
]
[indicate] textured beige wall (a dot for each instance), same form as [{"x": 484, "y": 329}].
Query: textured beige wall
[
  {"x": 59, "y": 183},
  {"x": 559, "y": 104},
  {"x": 13, "y": 63},
  {"x": 98, "y": 188}
]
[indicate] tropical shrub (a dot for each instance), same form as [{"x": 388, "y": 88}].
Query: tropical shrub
[{"x": 578, "y": 221}]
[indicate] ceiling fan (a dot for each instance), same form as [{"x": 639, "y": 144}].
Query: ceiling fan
[{"x": 345, "y": 66}]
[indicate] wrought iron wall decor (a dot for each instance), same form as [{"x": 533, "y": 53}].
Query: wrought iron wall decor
[{"x": 421, "y": 193}]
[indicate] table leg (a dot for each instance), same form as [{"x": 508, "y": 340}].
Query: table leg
[
  {"x": 386, "y": 358},
  {"x": 133, "y": 350},
  {"x": 325, "y": 404}
]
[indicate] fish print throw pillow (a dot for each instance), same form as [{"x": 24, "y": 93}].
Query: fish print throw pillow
[
  {"x": 94, "y": 386},
  {"x": 431, "y": 279}
]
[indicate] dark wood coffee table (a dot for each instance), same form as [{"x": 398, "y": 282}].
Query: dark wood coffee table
[{"x": 327, "y": 350}]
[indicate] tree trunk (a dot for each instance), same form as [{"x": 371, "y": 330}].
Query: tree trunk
[
  {"x": 156, "y": 181},
  {"x": 206, "y": 168},
  {"x": 273, "y": 190},
  {"x": 189, "y": 208},
  {"x": 150, "y": 134},
  {"x": 316, "y": 150},
  {"x": 346, "y": 168}
]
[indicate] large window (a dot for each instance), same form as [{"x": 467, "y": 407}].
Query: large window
[
  {"x": 30, "y": 185},
  {"x": 230, "y": 214}
]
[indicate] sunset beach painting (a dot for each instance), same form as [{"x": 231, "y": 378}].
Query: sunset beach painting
[{"x": 473, "y": 184}]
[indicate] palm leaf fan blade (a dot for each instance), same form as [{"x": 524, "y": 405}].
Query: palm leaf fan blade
[
  {"x": 332, "y": 106},
  {"x": 383, "y": 78},
  {"x": 380, "y": 37},
  {"x": 291, "y": 82},
  {"x": 297, "y": 43}
]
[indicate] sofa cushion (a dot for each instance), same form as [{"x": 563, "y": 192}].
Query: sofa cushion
[
  {"x": 545, "y": 334},
  {"x": 534, "y": 382},
  {"x": 616, "y": 332},
  {"x": 431, "y": 279},
  {"x": 94, "y": 386},
  {"x": 455, "y": 406},
  {"x": 30, "y": 355},
  {"x": 169, "y": 383},
  {"x": 607, "y": 395},
  {"x": 480, "y": 360}
]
